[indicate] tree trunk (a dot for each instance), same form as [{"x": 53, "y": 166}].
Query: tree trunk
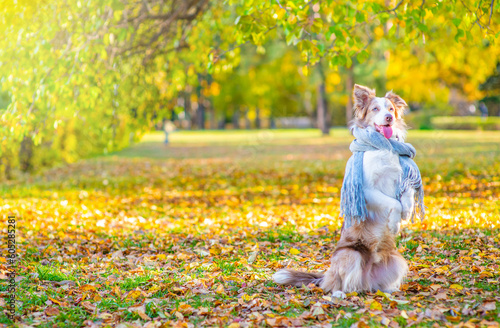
[
  {"x": 236, "y": 119},
  {"x": 257, "y": 117},
  {"x": 321, "y": 109},
  {"x": 26, "y": 155},
  {"x": 187, "y": 109},
  {"x": 247, "y": 121},
  {"x": 200, "y": 111},
  {"x": 201, "y": 115},
  {"x": 349, "y": 86},
  {"x": 5, "y": 164}
]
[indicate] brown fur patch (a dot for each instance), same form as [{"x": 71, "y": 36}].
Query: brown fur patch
[
  {"x": 362, "y": 97},
  {"x": 398, "y": 102},
  {"x": 357, "y": 246}
]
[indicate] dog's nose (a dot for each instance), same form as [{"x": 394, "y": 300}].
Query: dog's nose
[{"x": 388, "y": 118}]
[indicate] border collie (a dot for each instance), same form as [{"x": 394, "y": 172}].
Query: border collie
[{"x": 366, "y": 258}]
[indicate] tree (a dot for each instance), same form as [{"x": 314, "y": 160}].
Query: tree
[{"x": 86, "y": 77}]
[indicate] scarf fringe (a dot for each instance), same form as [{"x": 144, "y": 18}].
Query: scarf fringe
[
  {"x": 352, "y": 197},
  {"x": 411, "y": 179}
]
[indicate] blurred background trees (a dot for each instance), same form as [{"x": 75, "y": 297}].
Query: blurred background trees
[{"x": 79, "y": 78}]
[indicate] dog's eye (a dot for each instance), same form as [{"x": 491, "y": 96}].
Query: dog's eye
[
  {"x": 375, "y": 109},
  {"x": 391, "y": 110}
]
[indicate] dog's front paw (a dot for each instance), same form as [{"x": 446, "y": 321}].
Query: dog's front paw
[
  {"x": 407, "y": 204},
  {"x": 339, "y": 294},
  {"x": 406, "y": 214}
]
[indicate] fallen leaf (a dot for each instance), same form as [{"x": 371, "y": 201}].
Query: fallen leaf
[
  {"x": 220, "y": 289},
  {"x": 456, "y": 287},
  {"x": 141, "y": 311},
  {"x": 441, "y": 296},
  {"x": 87, "y": 288},
  {"x": 105, "y": 316},
  {"x": 88, "y": 306},
  {"x": 252, "y": 257},
  {"x": 376, "y": 306},
  {"x": 317, "y": 309},
  {"x": 133, "y": 294},
  {"x": 489, "y": 306},
  {"x": 51, "y": 311}
]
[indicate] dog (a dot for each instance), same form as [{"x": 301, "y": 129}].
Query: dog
[{"x": 366, "y": 258}]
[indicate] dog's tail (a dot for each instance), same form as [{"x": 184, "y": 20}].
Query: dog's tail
[{"x": 297, "y": 278}]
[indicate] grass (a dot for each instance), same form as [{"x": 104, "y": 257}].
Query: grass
[{"x": 202, "y": 223}]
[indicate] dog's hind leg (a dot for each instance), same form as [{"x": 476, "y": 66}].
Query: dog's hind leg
[
  {"x": 345, "y": 273},
  {"x": 388, "y": 274}
]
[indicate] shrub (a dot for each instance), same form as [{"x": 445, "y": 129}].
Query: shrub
[{"x": 465, "y": 123}]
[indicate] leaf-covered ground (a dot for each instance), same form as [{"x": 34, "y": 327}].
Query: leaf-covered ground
[{"x": 189, "y": 234}]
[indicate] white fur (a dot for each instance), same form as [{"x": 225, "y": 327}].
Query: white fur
[
  {"x": 383, "y": 105},
  {"x": 281, "y": 277},
  {"x": 353, "y": 275},
  {"x": 339, "y": 294},
  {"x": 381, "y": 172},
  {"x": 388, "y": 278}
]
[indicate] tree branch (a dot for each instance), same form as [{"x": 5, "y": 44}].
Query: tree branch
[
  {"x": 393, "y": 9},
  {"x": 491, "y": 11}
]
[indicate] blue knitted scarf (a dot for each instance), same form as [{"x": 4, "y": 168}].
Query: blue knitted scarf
[{"x": 352, "y": 198}]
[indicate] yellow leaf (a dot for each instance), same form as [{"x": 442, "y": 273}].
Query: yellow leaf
[
  {"x": 88, "y": 288},
  {"x": 294, "y": 251},
  {"x": 246, "y": 297},
  {"x": 457, "y": 287},
  {"x": 381, "y": 293},
  {"x": 185, "y": 308},
  {"x": 305, "y": 70},
  {"x": 116, "y": 290},
  {"x": 376, "y": 306},
  {"x": 215, "y": 249},
  {"x": 220, "y": 289},
  {"x": 64, "y": 304},
  {"x": 134, "y": 294}
]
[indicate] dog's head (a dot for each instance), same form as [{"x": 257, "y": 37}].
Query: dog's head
[{"x": 384, "y": 114}]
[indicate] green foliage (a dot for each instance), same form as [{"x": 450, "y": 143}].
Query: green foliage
[
  {"x": 79, "y": 78},
  {"x": 466, "y": 123}
]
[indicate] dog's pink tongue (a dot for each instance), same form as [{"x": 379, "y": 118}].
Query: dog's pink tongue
[{"x": 387, "y": 131}]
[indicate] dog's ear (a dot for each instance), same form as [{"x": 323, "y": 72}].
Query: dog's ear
[
  {"x": 362, "y": 97},
  {"x": 398, "y": 102}
]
